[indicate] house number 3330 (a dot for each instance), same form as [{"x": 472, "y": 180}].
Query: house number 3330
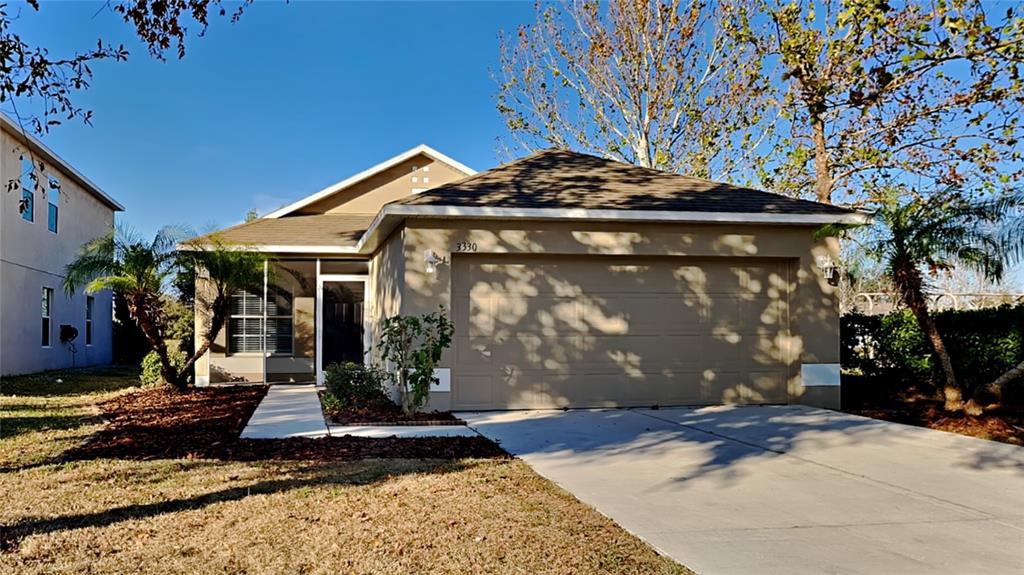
[{"x": 465, "y": 247}]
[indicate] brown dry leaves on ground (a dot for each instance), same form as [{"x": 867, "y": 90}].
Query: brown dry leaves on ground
[
  {"x": 1005, "y": 424},
  {"x": 143, "y": 506},
  {"x": 205, "y": 424},
  {"x": 389, "y": 415}
]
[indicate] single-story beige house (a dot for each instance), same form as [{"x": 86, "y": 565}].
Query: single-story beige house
[{"x": 572, "y": 281}]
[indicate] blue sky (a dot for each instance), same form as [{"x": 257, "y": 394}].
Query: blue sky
[{"x": 290, "y": 99}]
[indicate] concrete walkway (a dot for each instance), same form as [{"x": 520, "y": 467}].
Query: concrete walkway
[
  {"x": 294, "y": 411},
  {"x": 783, "y": 489},
  {"x": 287, "y": 411}
]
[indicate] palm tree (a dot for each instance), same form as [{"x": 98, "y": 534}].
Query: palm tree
[
  {"x": 938, "y": 233},
  {"x": 227, "y": 270},
  {"x": 139, "y": 271},
  {"x": 1013, "y": 239},
  {"x": 121, "y": 262}
]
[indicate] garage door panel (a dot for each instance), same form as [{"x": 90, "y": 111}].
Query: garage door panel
[
  {"x": 721, "y": 386},
  {"x": 764, "y": 387},
  {"x": 472, "y": 353},
  {"x": 595, "y": 331},
  {"x": 582, "y": 352},
  {"x": 474, "y": 391}
]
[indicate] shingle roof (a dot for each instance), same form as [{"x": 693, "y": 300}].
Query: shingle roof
[
  {"x": 312, "y": 230},
  {"x": 563, "y": 179}
]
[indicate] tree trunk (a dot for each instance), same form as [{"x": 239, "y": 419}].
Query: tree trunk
[
  {"x": 404, "y": 391},
  {"x": 220, "y": 307},
  {"x": 145, "y": 313},
  {"x": 908, "y": 280},
  {"x": 822, "y": 164},
  {"x": 996, "y": 387}
]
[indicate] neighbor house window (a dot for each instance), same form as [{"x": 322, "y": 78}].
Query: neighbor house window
[
  {"x": 245, "y": 324},
  {"x": 90, "y": 303},
  {"x": 28, "y": 190},
  {"x": 54, "y": 197},
  {"x": 47, "y": 312}
]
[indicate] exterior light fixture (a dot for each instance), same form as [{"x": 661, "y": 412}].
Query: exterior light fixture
[
  {"x": 828, "y": 268},
  {"x": 432, "y": 260}
]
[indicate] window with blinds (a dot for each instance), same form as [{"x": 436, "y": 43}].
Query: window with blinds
[{"x": 245, "y": 323}]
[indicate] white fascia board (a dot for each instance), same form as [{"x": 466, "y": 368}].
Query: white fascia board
[
  {"x": 623, "y": 215},
  {"x": 398, "y": 211},
  {"x": 271, "y": 248},
  {"x": 420, "y": 149},
  {"x": 51, "y": 157},
  {"x": 393, "y": 213}
]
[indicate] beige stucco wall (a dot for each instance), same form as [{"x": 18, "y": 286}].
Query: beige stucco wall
[
  {"x": 32, "y": 257},
  {"x": 397, "y": 182},
  {"x": 387, "y": 270},
  {"x": 813, "y": 306},
  {"x": 398, "y": 282}
]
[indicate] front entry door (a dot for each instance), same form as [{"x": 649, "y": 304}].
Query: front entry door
[{"x": 340, "y": 322}]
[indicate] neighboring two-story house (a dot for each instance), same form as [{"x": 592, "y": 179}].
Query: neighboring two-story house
[{"x": 49, "y": 210}]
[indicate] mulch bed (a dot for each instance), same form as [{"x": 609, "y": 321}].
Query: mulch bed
[
  {"x": 206, "y": 424},
  {"x": 391, "y": 415},
  {"x": 1005, "y": 424}
]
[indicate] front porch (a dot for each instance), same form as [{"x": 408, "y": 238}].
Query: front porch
[{"x": 309, "y": 312}]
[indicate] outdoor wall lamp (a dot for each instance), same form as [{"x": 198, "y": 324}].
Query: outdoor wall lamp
[
  {"x": 432, "y": 260},
  {"x": 828, "y": 269}
]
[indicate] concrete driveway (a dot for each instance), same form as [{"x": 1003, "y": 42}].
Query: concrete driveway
[{"x": 783, "y": 489}]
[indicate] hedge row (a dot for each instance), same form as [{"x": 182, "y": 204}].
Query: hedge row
[{"x": 982, "y": 343}]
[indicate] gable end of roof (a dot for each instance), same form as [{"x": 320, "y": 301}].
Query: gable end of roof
[{"x": 350, "y": 181}]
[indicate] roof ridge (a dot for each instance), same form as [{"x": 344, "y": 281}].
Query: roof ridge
[{"x": 660, "y": 172}]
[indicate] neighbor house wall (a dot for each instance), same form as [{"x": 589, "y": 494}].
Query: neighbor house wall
[
  {"x": 813, "y": 303},
  {"x": 395, "y": 183},
  {"x": 32, "y": 257}
]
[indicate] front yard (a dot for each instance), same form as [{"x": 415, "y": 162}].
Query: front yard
[{"x": 165, "y": 506}]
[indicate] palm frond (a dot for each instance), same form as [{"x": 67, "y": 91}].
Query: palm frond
[
  {"x": 835, "y": 230},
  {"x": 96, "y": 257},
  {"x": 946, "y": 230},
  {"x": 120, "y": 284}
]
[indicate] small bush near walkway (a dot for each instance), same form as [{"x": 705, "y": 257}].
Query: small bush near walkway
[
  {"x": 151, "y": 376},
  {"x": 351, "y": 385}
]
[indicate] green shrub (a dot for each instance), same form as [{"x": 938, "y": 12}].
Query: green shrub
[
  {"x": 982, "y": 343},
  {"x": 903, "y": 348},
  {"x": 353, "y": 385},
  {"x": 330, "y": 403},
  {"x": 412, "y": 346},
  {"x": 150, "y": 376}
]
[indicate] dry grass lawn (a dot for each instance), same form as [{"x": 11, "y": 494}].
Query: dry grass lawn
[{"x": 206, "y": 516}]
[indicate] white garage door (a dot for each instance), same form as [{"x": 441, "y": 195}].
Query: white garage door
[{"x": 591, "y": 331}]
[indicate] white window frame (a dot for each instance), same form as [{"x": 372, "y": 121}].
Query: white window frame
[
  {"x": 47, "y": 315},
  {"x": 90, "y": 305},
  {"x": 53, "y": 199},
  {"x": 263, "y": 319},
  {"x": 29, "y": 190},
  {"x": 367, "y": 315}
]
